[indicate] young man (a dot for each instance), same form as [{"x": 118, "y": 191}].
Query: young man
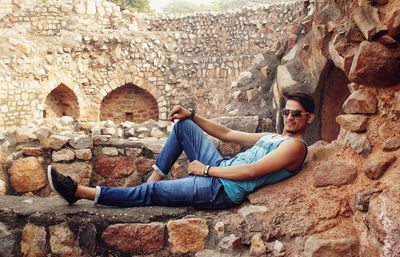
[{"x": 214, "y": 182}]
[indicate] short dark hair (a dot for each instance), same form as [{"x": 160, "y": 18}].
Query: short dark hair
[{"x": 305, "y": 100}]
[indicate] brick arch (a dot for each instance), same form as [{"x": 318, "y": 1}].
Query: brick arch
[
  {"x": 140, "y": 83},
  {"x": 67, "y": 82}
]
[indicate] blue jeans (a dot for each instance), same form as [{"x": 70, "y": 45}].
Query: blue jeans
[{"x": 200, "y": 192}]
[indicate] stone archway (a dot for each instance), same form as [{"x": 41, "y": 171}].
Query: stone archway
[
  {"x": 129, "y": 103},
  {"x": 61, "y": 101},
  {"x": 335, "y": 93}
]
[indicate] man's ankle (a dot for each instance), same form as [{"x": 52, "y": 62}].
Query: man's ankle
[{"x": 154, "y": 177}]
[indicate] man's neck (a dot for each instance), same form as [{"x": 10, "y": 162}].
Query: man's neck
[{"x": 298, "y": 134}]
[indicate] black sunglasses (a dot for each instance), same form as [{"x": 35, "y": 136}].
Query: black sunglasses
[{"x": 295, "y": 113}]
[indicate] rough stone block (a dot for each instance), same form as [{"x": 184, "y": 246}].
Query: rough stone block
[
  {"x": 63, "y": 155},
  {"x": 32, "y": 151},
  {"x": 62, "y": 240},
  {"x": 55, "y": 142},
  {"x": 257, "y": 247},
  {"x": 334, "y": 174},
  {"x": 367, "y": 19},
  {"x": 187, "y": 235},
  {"x": 143, "y": 165},
  {"x": 27, "y": 175},
  {"x": 84, "y": 154},
  {"x": 354, "y": 123},
  {"x": 359, "y": 142},
  {"x": 33, "y": 242},
  {"x": 391, "y": 145},
  {"x": 110, "y": 151},
  {"x": 135, "y": 238},
  {"x": 361, "y": 102},
  {"x": 315, "y": 247},
  {"x": 255, "y": 216},
  {"x": 376, "y": 166},
  {"x": 113, "y": 167},
  {"x": 81, "y": 142},
  {"x": 230, "y": 243},
  {"x": 25, "y": 135},
  {"x": 80, "y": 172}
]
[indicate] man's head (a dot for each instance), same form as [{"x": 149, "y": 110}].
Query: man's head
[{"x": 298, "y": 113}]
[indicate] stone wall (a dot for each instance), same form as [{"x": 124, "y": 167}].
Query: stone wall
[{"x": 93, "y": 48}]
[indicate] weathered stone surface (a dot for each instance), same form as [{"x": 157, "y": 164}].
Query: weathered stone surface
[
  {"x": 2, "y": 187},
  {"x": 316, "y": 247},
  {"x": 257, "y": 247},
  {"x": 25, "y": 135},
  {"x": 362, "y": 198},
  {"x": 212, "y": 253},
  {"x": 359, "y": 142},
  {"x": 80, "y": 172},
  {"x": 394, "y": 25},
  {"x": 361, "y": 102},
  {"x": 62, "y": 240},
  {"x": 187, "y": 235},
  {"x": 87, "y": 237},
  {"x": 27, "y": 175},
  {"x": 255, "y": 216},
  {"x": 244, "y": 78},
  {"x": 157, "y": 133},
  {"x": 391, "y": 145},
  {"x": 55, "y": 142},
  {"x": 84, "y": 154},
  {"x": 135, "y": 238},
  {"x": 230, "y": 243},
  {"x": 7, "y": 239},
  {"x": 110, "y": 151},
  {"x": 113, "y": 167},
  {"x": 143, "y": 165},
  {"x": 372, "y": 62},
  {"x": 81, "y": 142},
  {"x": 33, "y": 242},
  {"x": 219, "y": 228},
  {"x": 376, "y": 166},
  {"x": 242, "y": 123},
  {"x": 63, "y": 155},
  {"x": 354, "y": 123},
  {"x": 278, "y": 246},
  {"x": 334, "y": 174},
  {"x": 396, "y": 102},
  {"x": 32, "y": 151},
  {"x": 367, "y": 19}
]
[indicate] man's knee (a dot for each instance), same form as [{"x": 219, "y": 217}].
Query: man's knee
[{"x": 182, "y": 125}]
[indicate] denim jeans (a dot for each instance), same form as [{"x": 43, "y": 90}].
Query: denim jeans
[{"x": 200, "y": 192}]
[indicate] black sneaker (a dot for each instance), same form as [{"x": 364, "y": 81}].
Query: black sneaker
[{"x": 62, "y": 185}]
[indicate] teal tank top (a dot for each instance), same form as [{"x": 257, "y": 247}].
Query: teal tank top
[{"x": 237, "y": 190}]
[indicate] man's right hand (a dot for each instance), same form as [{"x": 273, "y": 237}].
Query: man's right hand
[{"x": 179, "y": 113}]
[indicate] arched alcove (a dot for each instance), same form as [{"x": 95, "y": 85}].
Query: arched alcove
[
  {"x": 334, "y": 94},
  {"x": 61, "y": 101},
  {"x": 129, "y": 103}
]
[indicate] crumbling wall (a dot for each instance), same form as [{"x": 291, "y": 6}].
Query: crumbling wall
[{"x": 93, "y": 48}]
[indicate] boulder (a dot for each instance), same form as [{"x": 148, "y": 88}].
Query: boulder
[
  {"x": 372, "y": 62},
  {"x": 187, "y": 235},
  {"x": 135, "y": 238},
  {"x": 359, "y": 142},
  {"x": 361, "y": 102},
  {"x": 230, "y": 243},
  {"x": 334, "y": 174},
  {"x": 391, "y": 145},
  {"x": 317, "y": 247},
  {"x": 367, "y": 19},
  {"x": 255, "y": 216},
  {"x": 376, "y": 166},
  {"x": 27, "y": 175},
  {"x": 354, "y": 123},
  {"x": 110, "y": 151}
]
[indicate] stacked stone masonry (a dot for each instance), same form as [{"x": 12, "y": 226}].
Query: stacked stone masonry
[{"x": 93, "y": 48}]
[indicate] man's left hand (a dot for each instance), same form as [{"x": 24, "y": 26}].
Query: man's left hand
[{"x": 196, "y": 168}]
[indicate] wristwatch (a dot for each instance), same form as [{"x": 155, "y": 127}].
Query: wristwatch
[{"x": 192, "y": 113}]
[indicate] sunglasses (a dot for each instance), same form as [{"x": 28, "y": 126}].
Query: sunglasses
[{"x": 295, "y": 113}]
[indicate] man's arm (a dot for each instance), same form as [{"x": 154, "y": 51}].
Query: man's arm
[
  {"x": 289, "y": 155},
  {"x": 216, "y": 130}
]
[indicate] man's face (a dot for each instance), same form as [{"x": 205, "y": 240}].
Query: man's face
[{"x": 295, "y": 118}]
